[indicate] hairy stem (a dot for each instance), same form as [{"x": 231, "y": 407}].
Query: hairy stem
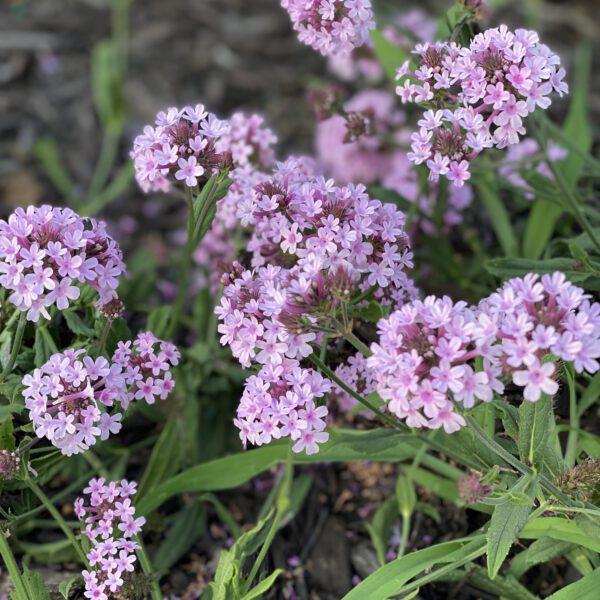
[
  {"x": 16, "y": 347},
  {"x": 12, "y": 568}
]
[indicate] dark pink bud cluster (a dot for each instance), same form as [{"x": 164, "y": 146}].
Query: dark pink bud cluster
[
  {"x": 479, "y": 96},
  {"x": 425, "y": 362},
  {"x": 69, "y": 395},
  {"x": 110, "y": 523},
  {"x": 181, "y": 147},
  {"x": 333, "y": 27},
  {"x": 46, "y": 251}
]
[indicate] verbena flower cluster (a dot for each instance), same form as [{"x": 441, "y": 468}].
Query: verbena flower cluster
[
  {"x": 45, "y": 252},
  {"x": 333, "y": 27},
  {"x": 424, "y": 361},
  {"x": 110, "y": 525},
  {"x": 380, "y": 156},
  {"x": 251, "y": 145},
  {"x": 526, "y": 156},
  {"x": 478, "y": 96},
  {"x": 357, "y": 375},
  {"x": 282, "y": 401},
  {"x": 69, "y": 395},
  {"x": 183, "y": 147}
]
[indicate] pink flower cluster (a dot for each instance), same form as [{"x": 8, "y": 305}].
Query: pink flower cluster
[
  {"x": 333, "y": 27},
  {"x": 110, "y": 523},
  {"x": 379, "y": 157},
  {"x": 281, "y": 401},
  {"x": 356, "y": 374},
  {"x": 181, "y": 146},
  {"x": 425, "y": 358},
  {"x": 525, "y": 156},
  {"x": 46, "y": 251},
  {"x": 146, "y": 368},
  {"x": 67, "y": 397},
  {"x": 250, "y": 144},
  {"x": 320, "y": 243},
  {"x": 479, "y": 96}
]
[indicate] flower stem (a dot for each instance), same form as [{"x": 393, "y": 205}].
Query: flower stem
[
  {"x": 185, "y": 266},
  {"x": 360, "y": 346},
  {"x": 104, "y": 336},
  {"x": 12, "y": 359},
  {"x": 12, "y": 568},
  {"x": 333, "y": 377},
  {"x": 148, "y": 570},
  {"x": 573, "y": 438},
  {"x": 59, "y": 519}
]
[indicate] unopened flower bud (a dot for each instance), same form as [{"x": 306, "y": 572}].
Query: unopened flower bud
[
  {"x": 9, "y": 464},
  {"x": 471, "y": 488}
]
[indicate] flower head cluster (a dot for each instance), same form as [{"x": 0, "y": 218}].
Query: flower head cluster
[
  {"x": 425, "y": 358},
  {"x": 320, "y": 243},
  {"x": 67, "y": 397},
  {"x": 380, "y": 157},
  {"x": 64, "y": 397},
  {"x": 355, "y": 373},
  {"x": 479, "y": 96},
  {"x": 333, "y": 27},
  {"x": 146, "y": 367},
  {"x": 281, "y": 401},
  {"x": 110, "y": 523},
  {"x": 532, "y": 318},
  {"x": 9, "y": 464},
  {"x": 182, "y": 146},
  {"x": 46, "y": 251},
  {"x": 525, "y": 156}
]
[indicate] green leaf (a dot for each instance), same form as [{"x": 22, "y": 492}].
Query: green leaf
[
  {"x": 561, "y": 529},
  {"x": 206, "y": 202},
  {"x": 76, "y": 324},
  {"x": 540, "y": 551},
  {"x": 164, "y": 460},
  {"x": 66, "y": 585},
  {"x": 107, "y": 84},
  {"x": 536, "y": 429},
  {"x": 388, "y": 54},
  {"x": 406, "y": 496},
  {"x": 507, "y": 520},
  {"x": 264, "y": 586},
  {"x": 234, "y": 470},
  {"x": 380, "y": 529},
  {"x": 505, "y": 268},
  {"x": 584, "y": 589},
  {"x": 188, "y": 525},
  {"x": 35, "y": 584},
  {"x": 541, "y": 223},
  {"x": 48, "y": 155},
  {"x": 43, "y": 345},
  {"x": 590, "y": 396},
  {"x": 7, "y": 436},
  {"x": 158, "y": 320},
  {"x": 387, "y": 580},
  {"x": 5, "y": 347},
  {"x": 499, "y": 217}
]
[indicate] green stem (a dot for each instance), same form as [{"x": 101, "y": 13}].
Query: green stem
[
  {"x": 104, "y": 336},
  {"x": 106, "y": 160},
  {"x": 59, "y": 519},
  {"x": 354, "y": 341},
  {"x": 12, "y": 568},
  {"x": 333, "y": 377},
  {"x": 573, "y": 438},
  {"x": 12, "y": 359},
  {"x": 185, "y": 267},
  {"x": 148, "y": 570}
]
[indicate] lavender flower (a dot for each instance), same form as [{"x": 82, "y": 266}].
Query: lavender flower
[
  {"x": 110, "y": 523},
  {"x": 46, "y": 251},
  {"x": 181, "y": 147},
  {"x": 281, "y": 401},
  {"x": 333, "y": 27},
  {"x": 478, "y": 96}
]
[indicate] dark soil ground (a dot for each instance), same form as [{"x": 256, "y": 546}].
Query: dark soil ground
[{"x": 229, "y": 54}]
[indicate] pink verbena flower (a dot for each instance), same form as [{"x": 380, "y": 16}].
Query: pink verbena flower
[
  {"x": 357, "y": 375},
  {"x": 481, "y": 95},
  {"x": 180, "y": 147},
  {"x": 146, "y": 365},
  {"x": 281, "y": 401},
  {"x": 67, "y": 398},
  {"x": 110, "y": 523},
  {"x": 46, "y": 251},
  {"x": 333, "y": 27}
]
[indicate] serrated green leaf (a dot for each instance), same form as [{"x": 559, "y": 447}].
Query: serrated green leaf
[
  {"x": 7, "y": 436},
  {"x": 66, "y": 586},
  {"x": 76, "y": 324},
  {"x": 507, "y": 521}
]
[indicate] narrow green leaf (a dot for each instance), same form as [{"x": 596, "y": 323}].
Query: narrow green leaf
[
  {"x": 264, "y": 586},
  {"x": 540, "y": 551},
  {"x": 541, "y": 223},
  {"x": 406, "y": 496},
  {"x": 158, "y": 320},
  {"x": 66, "y": 586},
  {"x": 561, "y": 529},
  {"x": 584, "y": 589},
  {"x": 234, "y": 470},
  {"x": 48, "y": 155},
  {"x": 380, "y": 529},
  {"x": 505, "y": 268},
  {"x": 507, "y": 520}
]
